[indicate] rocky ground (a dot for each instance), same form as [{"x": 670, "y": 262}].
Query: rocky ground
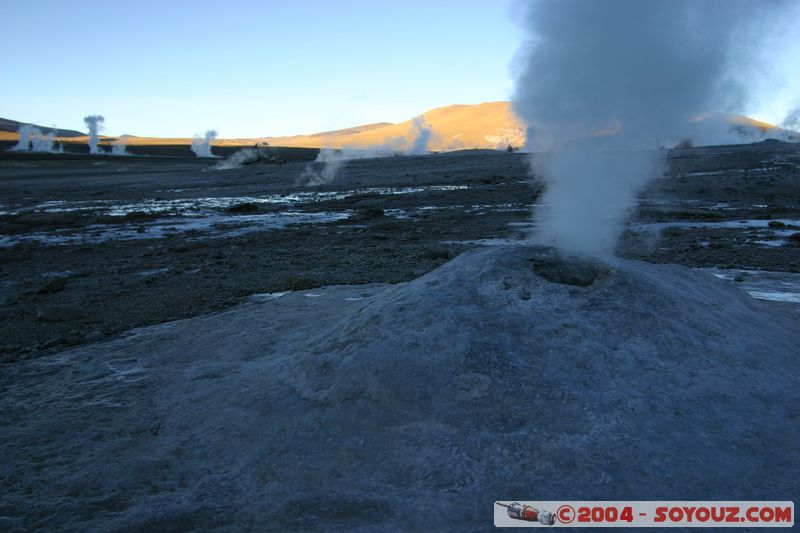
[
  {"x": 94, "y": 246},
  {"x": 509, "y": 372}
]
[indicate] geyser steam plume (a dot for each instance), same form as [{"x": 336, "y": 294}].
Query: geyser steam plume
[
  {"x": 119, "y": 147},
  {"x": 201, "y": 146},
  {"x": 32, "y": 139},
  {"x": 41, "y": 142},
  {"x": 24, "y": 142},
  {"x": 332, "y": 160},
  {"x": 421, "y": 133},
  {"x": 792, "y": 120},
  {"x": 603, "y": 84},
  {"x": 94, "y": 123}
]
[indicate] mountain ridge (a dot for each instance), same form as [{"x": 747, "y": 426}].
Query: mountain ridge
[
  {"x": 9, "y": 125},
  {"x": 453, "y": 127}
]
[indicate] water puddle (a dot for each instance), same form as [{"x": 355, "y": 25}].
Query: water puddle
[
  {"x": 206, "y": 205},
  {"x": 730, "y": 171},
  {"x": 265, "y": 296},
  {"x": 152, "y": 272},
  {"x": 759, "y": 232},
  {"x": 212, "y": 216},
  {"x": 489, "y": 242},
  {"x": 727, "y": 224},
  {"x": 763, "y": 284},
  {"x": 677, "y": 203},
  {"x": 485, "y": 209},
  {"x": 209, "y": 226}
]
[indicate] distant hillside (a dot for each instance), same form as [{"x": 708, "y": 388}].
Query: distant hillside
[
  {"x": 486, "y": 125},
  {"x": 353, "y": 130},
  {"x": 13, "y": 126},
  {"x": 751, "y": 127},
  {"x": 494, "y": 125}
]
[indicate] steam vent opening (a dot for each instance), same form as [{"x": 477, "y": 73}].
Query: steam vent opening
[{"x": 557, "y": 267}]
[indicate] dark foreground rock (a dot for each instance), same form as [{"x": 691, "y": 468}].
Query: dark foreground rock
[
  {"x": 128, "y": 234},
  {"x": 60, "y": 313},
  {"x": 413, "y": 406}
]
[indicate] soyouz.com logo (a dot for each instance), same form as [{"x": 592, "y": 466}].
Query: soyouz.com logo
[{"x": 644, "y": 514}]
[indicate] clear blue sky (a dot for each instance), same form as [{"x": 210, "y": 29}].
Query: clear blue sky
[
  {"x": 249, "y": 68},
  {"x": 257, "y": 68}
]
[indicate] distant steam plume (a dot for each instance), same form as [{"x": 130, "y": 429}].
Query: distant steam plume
[
  {"x": 420, "y": 136},
  {"x": 24, "y": 142},
  {"x": 32, "y": 139},
  {"x": 119, "y": 147},
  {"x": 42, "y": 143},
  {"x": 602, "y": 84},
  {"x": 792, "y": 120},
  {"x": 331, "y": 160},
  {"x": 201, "y": 146},
  {"x": 95, "y": 124}
]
